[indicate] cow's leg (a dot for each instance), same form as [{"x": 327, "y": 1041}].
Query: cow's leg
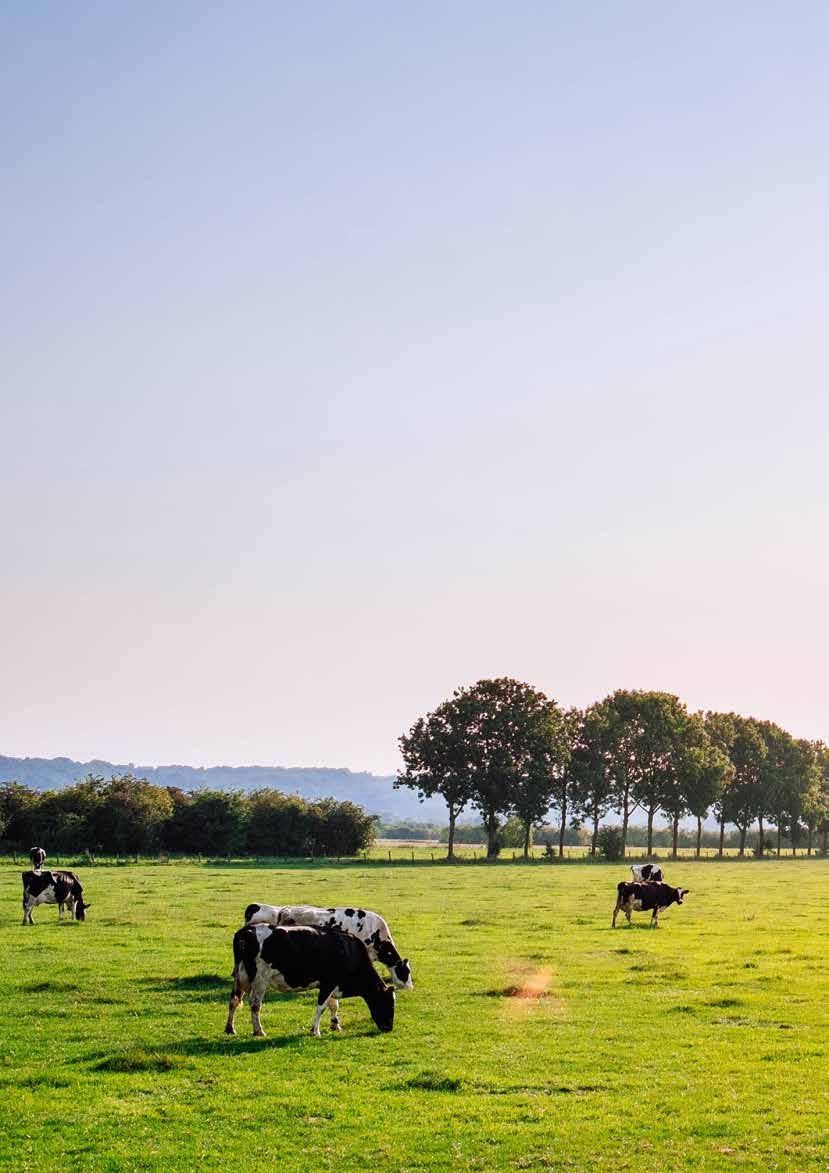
[
  {"x": 334, "y": 1007},
  {"x": 257, "y": 994},
  {"x": 616, "y": 913},
  {"x": 326, "y": 997},
  {"x": 28, "y": 905},
  {"x": 627, "y": 912},
  {"x": 655, "y": 918},
  {"x": 237, "y": 997},
  {"x": 60, "y": 910}
]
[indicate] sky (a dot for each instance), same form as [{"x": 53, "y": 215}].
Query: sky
[{"x": 353, "y": 353}]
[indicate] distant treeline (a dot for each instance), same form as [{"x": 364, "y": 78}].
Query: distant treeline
[
  {"x": 128, "y": 815},
  {"x": 514, "y": 756}
]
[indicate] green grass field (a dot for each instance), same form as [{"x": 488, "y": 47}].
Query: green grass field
[{"x": 702, "y": 1044}]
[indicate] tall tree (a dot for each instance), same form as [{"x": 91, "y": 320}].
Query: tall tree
[
  {"x": 740, "y": 739},
  {"x": 545, "y": 781},
  {"x": 436, "y": 759},
  {"x": 591, "y": 780},
  {"x": 494, "y": 744}
]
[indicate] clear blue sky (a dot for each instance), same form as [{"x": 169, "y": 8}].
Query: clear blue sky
[{"x": 352, "y": 352}]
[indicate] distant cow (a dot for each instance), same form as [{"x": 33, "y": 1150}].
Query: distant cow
[
  {"x": 37, "y": 855},
  {"x": 368, "y": 927},
  {"x": 646, "y": 872},
  {"x": 301, "y": 958},
  {"x": 61, "y": 888},
  {"x": 648, "y": 897}
]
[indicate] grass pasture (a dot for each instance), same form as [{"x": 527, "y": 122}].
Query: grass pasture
[{"x": 535, "y": 1037}]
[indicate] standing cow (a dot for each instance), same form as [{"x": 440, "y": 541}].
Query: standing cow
[
  {"x": 302, "y": 958},
  {"x": 649, "y": 897},
  {"x": 61, "y": 888},
  {"x": 368, "y": 927},
  {"x": 647, "y": 872}
]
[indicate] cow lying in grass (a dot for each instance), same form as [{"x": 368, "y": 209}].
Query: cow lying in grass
[
  {"x": 368, "y": 927},
  {"x": 61, "y": 888},
  {"x": 300, "y": 958},
  {"x": 649, "y": 897}
]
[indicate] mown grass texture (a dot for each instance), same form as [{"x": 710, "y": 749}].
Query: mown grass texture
[{"x": 536, "y": 1036}]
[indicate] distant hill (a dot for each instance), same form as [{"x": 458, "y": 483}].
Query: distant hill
[{"x": 372, "y": 791}]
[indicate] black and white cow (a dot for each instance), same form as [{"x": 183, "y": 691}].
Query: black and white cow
[
  {"x": 650, "y": 897},
  {"x": 368, "y": 927},
  {"x": 301, "y": 958},
  {"x": 37, "y": 855},
  {"x": 61, "y": 888},
  {"x": 646, "y": 872}
]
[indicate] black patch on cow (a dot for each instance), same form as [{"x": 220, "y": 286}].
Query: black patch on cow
[
  {"x": 361, "y": 912},
  {"x": 251, "y": 910},
  {"x": 349, "y": 911}
]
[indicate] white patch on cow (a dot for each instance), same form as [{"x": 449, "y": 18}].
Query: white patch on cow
[{"x": 636, "y": 905}]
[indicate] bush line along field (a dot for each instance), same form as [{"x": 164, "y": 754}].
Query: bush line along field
[{"x": 536, "y": 1036}]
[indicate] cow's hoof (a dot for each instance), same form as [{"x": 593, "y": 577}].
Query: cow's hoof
[
  {"x": 229, "y": 1030},
  {"x": 336, "y": 1026},
  {"x": 259, "y": 1034},
  {"x": 315, "y": 1032}
]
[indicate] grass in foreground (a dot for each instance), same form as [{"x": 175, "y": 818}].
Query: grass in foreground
[{"x": 536, "y": 1037}]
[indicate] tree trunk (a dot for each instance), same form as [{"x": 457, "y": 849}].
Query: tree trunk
[
  {"x": 676, "y": 835},
  {"x": 809, "y": 843},
  {"x": 450, "y": 846},
  {"x": 595, "y": 834},
  {"x": 699, "y": 835},
  {"x": 650, "y": 830},
  {"x": 778, "y": 838},
  {"x": 761, "y": 845},
  {"x": 625, "y": 817},
  {"x": 491, "y": 835},
  {"x": 826, "y": 839},
  {"x": 743, "y": 839},
  {"x": 527, "y": 837},
  {"x": 563, "y": 826},
  {"x": 722, "y": 835}
]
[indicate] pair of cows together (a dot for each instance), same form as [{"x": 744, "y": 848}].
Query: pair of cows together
[
  {"x": 56, "y": 887},
  {"x": 298, "y": 947},
  {"x": 647, "y": 893}
]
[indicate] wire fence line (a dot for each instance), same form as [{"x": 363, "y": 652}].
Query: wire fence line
[{"x": 405, "y": 854}]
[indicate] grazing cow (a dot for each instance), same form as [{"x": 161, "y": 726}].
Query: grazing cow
[
  {"x": 368, "y": 927},
  {"x": 302, "y": 958},
  {"x": 37, "y": 855},
  {"x": 61, "y": 888},
  {"x": 650, "y": 897},
  {"x": 649, "y": 872}
]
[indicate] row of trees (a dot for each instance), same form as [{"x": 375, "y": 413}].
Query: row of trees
[
  {"x": 506, "y": 750},
  {"x": 128, "y": 815}
]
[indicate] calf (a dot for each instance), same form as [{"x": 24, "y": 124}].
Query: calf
[
  {"x": 650, "y": 872},
  {"x": 368, "y": 927},
  {"x": 37, "y": 855},
  {"x": 648, "y": 897},
  {"x": 302, "y": 958},
  {"x": 61, "y": 888}
]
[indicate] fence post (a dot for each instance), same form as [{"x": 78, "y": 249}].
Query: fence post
[{"x": 389, "y": 856}]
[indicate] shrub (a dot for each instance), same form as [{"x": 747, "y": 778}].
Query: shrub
[{"x": 609, "y": 842}]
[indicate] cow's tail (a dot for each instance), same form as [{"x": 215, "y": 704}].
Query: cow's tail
[
  {"x": 244, "y": 959},
  {"x": 620, "y": 887}
]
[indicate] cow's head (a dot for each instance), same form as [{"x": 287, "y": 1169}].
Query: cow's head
[
  {"x": 680, "y": 893},
  {"x": 401, "y": 974},
  {"x": 381, "y": 1005},
  {"x": 80, "y": 909}
]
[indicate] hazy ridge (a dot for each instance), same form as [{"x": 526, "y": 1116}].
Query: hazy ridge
[{"x": 372, "y": 791}]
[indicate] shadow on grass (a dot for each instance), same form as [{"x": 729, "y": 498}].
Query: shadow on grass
[{"x": 194, "y": 983}]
